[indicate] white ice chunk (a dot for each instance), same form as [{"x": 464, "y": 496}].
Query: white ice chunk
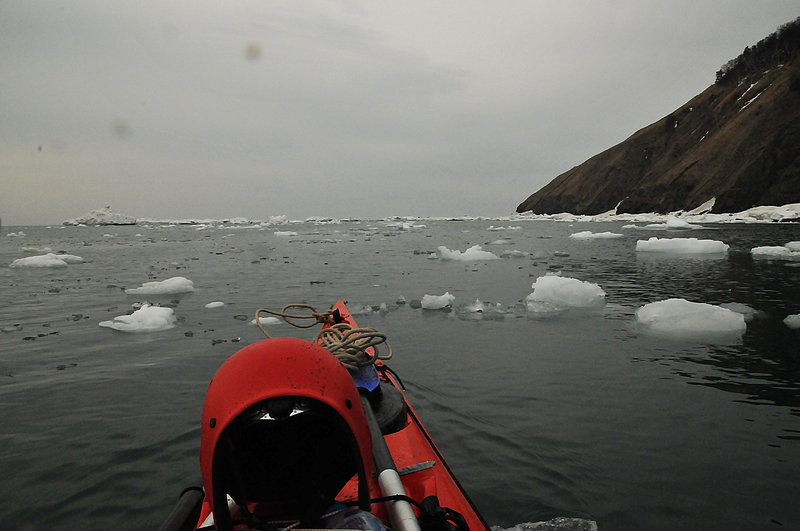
[
  {"x": 215, "y": 304},
  {"x": 515, "y": 254},
  {"x": 145, "y": 319},
  {"x": 589, "y": 235},
  {"x": 474, "y": 253},
  {"x": 170, "y": 286},
  {"x": 790, "y": 251},
  {"x": 437, "y": 302},
  {"x": 680, "y": 317},
  {"x": 47, "y": 260},
  {"x": 270, "y": 320},
  {"x": 792, "y": 321},
  {"x": 748, "y": 312},
  {"x": 554, "y": 292},
  {"x": 681, "y": 246},
  {"x": 284, "y": 233}
]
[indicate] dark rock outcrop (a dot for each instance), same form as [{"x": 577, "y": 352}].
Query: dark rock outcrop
[{"x": 738, "y": 142}]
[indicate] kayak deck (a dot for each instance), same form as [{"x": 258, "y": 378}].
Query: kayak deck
[{"x": 422, "y": 468}]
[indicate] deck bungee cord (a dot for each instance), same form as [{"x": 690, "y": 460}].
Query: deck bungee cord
[{"x": 349, "y": 344}]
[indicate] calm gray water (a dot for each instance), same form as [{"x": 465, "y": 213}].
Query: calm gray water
[{"x": 576, "y": 414}]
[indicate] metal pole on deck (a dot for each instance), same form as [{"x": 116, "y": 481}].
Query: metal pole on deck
[{"x": 401, "y": 512}]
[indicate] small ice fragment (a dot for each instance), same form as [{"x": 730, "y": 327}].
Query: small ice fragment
[
  {"x": 145, "y": 319},
  {"x": 792, "y": 321},
  {"x": 437, "y": 302},
  {"x": 284, "y": 233},
  {"x": 270, "y": 320},
  {"x": 748, "y": 312},
  {"x": 215, "y": 304},
  {"x": 474, "y": 253},
  {"x": 170, "y": 286}
]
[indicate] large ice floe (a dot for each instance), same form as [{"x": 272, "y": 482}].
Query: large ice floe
[
  {"x": 47, "y": 260},
  {"x": 171, "y": 286},
  {"x": 145, "y": 319},
  {"x": 680, "y": 319},
  {"x": 556, "y": 293},
  {"x": 473, "y": 254},
  {"x": 790, "y": 251},
  {"x": 681, "y": 246}
]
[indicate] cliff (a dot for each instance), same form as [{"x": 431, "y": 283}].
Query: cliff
[{"x": 738, "y": 141}]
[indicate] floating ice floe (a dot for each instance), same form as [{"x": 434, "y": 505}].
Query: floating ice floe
[
  {"x": 790, "y": 251},
  {"x": 681, "y": 318},
  {"x": 748, "y": 312},
  {"x": 145, "y": 319},
  {"x": 437, "y": 302},
  {"x": 589, "y": 235},
  {"x": 270, "y": 320},
  {"x": 493, "y": 228},
  {"x": 474, "y": 253},
  {"x": 681, "y": 246},
  {"x": 215, "y": 304},
  {"x": 47, "y": 260},
  {"x": 284, "y": 233},
  {"x": 792, "y": 321},
  {"x": 171, "y": 286},
  {"x": 555, "y": 293},
  {"x": 514, "y": 254}
]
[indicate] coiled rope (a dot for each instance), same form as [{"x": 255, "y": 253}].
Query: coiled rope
[{"x": 354, "y": 347}]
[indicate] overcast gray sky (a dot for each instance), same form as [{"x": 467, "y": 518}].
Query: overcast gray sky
[{"x": 201, "y": 108}]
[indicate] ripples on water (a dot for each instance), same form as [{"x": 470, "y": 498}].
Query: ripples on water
[{"x": 575, "y": 414}]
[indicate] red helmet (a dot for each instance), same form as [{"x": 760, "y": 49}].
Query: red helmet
[{"x": 283, "y": 427}]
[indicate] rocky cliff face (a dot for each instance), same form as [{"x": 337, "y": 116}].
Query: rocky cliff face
[{"x": 738, "y": 142}]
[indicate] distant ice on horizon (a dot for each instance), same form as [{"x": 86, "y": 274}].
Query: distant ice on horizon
[
  {"x": 681, "y": 246},
  {"x": 171, "y": 286},
  {"x": 680, "y": 318},
  {"x": 146, "y": 319}
]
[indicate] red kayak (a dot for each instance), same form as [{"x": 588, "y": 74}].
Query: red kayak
[{"x": 399, "y": 475}]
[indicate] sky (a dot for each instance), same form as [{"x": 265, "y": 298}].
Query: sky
[{"x": 259, "y": 108}]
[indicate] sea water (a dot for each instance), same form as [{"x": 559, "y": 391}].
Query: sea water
[{"x": 576, "y": 413}]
